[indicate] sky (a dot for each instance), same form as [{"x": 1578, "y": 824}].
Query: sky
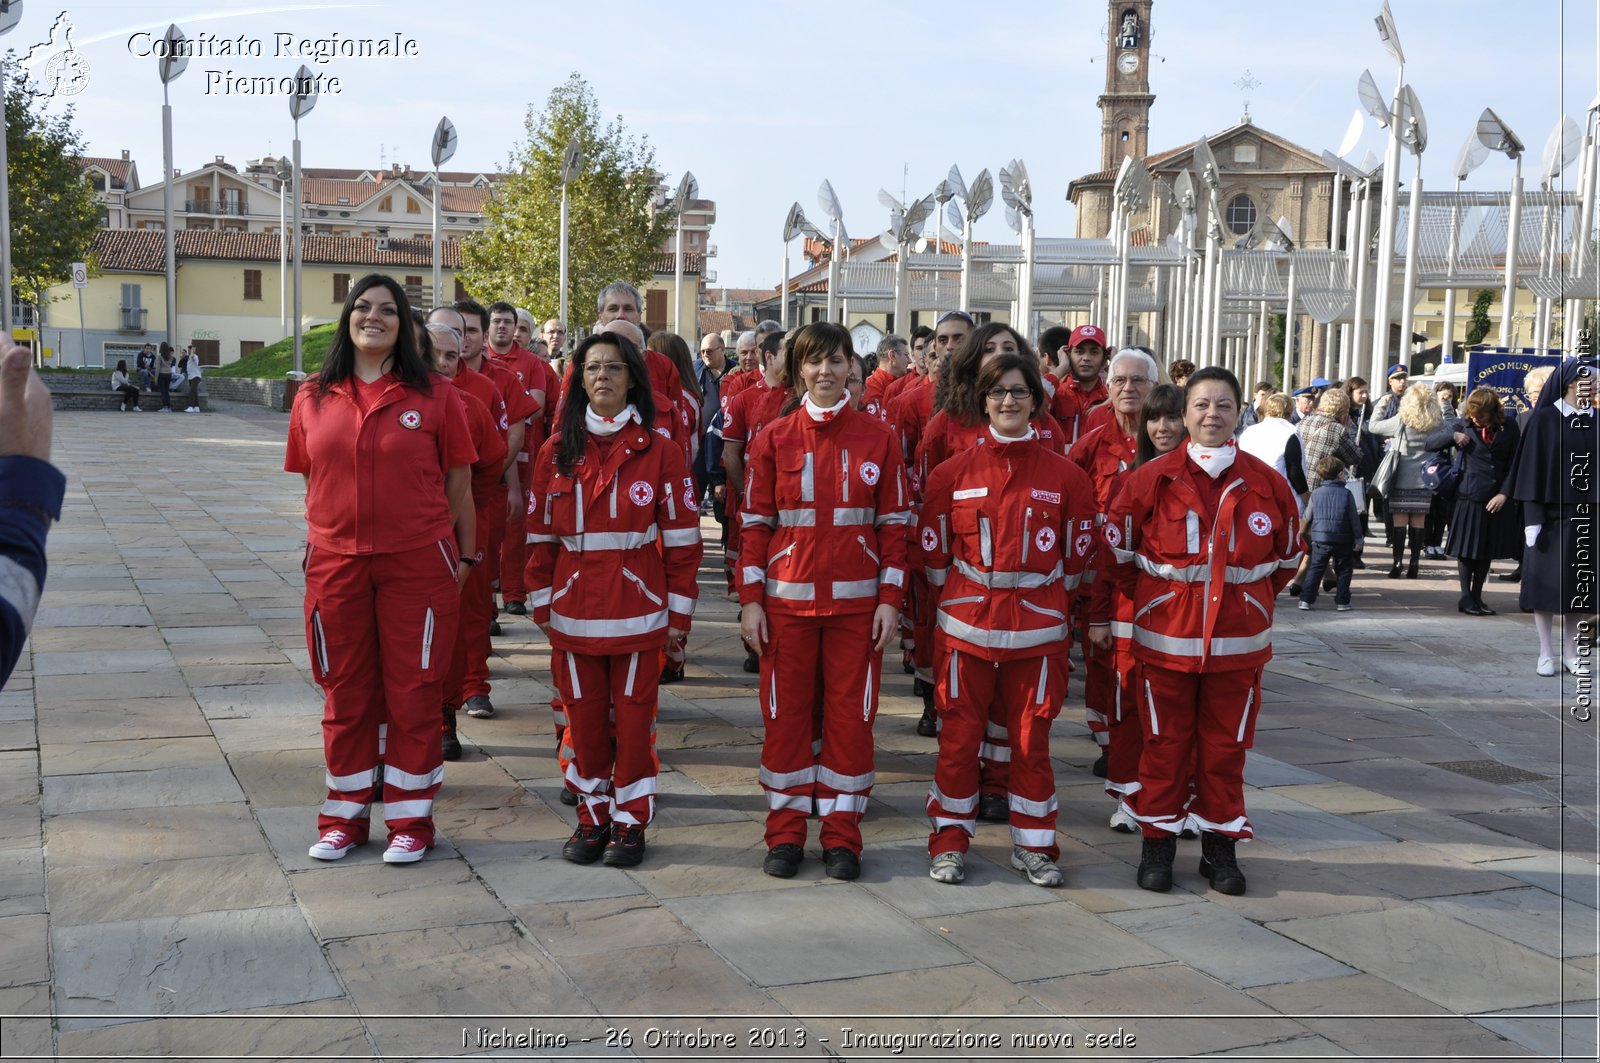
[{"x": 762, "y": 101}]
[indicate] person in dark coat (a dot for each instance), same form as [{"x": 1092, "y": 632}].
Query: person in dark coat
[
  {"x": 1553, "y": 476},
  {"x": 1483, "y": 525}
]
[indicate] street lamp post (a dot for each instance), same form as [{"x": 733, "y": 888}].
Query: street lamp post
[
  {"x": 171, "y": 63},
  {"x": 301, "y": 102},
  {"x": 1497, "y": 136},
  {"x": 1414, "y": 132},
  {"x": 1472, "y": 154},
  {"x": 1391, "y": 117},
  {"x": 283, "y": 171},
  {"x": 688, "y": 188},
  {"x": 829, "y": 201},
  {"x": 444, "y": 148},
  {"x": 10, "y": 15},
  {"x": 571, "y": 166},
  {"x": 794, "y": 225}
]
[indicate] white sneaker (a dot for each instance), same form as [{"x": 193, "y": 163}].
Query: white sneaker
[
  {"x": 1305, "y": 606},
  {"x": 1345, "y": 608},
  {"x": 192, "y": 409},
  {"x": 137, "y": 410},
  {"x": 1123, "y": 823},
  {"x": 1546, "y": 666},
  {"x": 1575, "y": 665},
  {"x": 948, "y": 868},
  {"x": 123, "y": 408},
  {"x": 1040, "y": 869},
  {"x": 333, "y": 845}
]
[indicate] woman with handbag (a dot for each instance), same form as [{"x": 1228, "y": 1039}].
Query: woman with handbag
[
  {"x": 1483, "y": 527},
  {"x": 1401, "y": 473}
]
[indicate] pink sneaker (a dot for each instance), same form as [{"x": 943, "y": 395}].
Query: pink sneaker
[
  {"x": 333, "y": 845},
  {"x": 406, "y": 849}
]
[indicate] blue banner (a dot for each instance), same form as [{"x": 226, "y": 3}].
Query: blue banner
[{"x": 1503, "y": 372}]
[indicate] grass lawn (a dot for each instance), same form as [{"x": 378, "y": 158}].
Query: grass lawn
[{"x": 272, "y": 363}]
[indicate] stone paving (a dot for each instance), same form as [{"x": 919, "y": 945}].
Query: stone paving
[{"x": 160, "y": 762}]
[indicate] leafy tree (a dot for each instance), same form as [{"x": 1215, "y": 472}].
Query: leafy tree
[
  {"x": 1478, "y": 323},
  {"x": 54, "y": 212},
  {"x": 611, "y": 233}
]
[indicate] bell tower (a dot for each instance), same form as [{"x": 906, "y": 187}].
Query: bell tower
[{"x": 1125, "y": 104}]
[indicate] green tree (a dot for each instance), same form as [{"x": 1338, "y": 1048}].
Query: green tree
[
  {"x": 1478, "y": 323},
  {"x": 54, "y": 212},
  {"x": 611, "y": 235}
]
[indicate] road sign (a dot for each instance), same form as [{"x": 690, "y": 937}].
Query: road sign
[{"x": 80, "y": 275}]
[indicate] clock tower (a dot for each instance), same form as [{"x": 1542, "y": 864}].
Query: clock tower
[{"x": 1125, "y": 104}]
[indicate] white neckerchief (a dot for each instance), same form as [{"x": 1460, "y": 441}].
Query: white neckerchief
[
  {"x": 1567, "y": 409},
  {"x": 609, "y": 426},
  {"x": 998, "y": 438},
  {"x": 823, "y": 413},
  {"x": 1214, "y": 461}
]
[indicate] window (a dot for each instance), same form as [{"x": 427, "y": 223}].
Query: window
[
  {"x": 210, "y": 351},
  {"x": 412, "y": 206},
  {"x": 1245, "y": 153},
  {"x": 413, "y": 282},
  {"x": 461, "y": 291},
  {"x": 97, "y": 180},
  {"x": 1241, "y": 215},
  {"x": 655, "y": 310},
  {"x": 252, "y": 284},
  {"x": 249, "y": 347},
  {"x": 386, "y": 204},
  {"x": 341, "y": 287}
]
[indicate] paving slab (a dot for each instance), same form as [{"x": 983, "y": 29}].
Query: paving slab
[
  {"x": 111, "y": 837},
  {"x": 1044, "y": 941},
  {"x": 129, "y": 755},
  {"x": 848, "y": 933},
  {"x": 1566, "y": 1032},
  {"x": 118, "y": 719},
  {"x": 24, "y": 1036},
  {"x": 81, "y": 895},
  {"x": 1572, "y": 877},
  {"x": 898, "y": 876},
  {"x": 297, "y": 698},
  {"x": 168, "y": 787},
  {"x": 321, "y": 1028},
  {"x": 192, "y": 964},
  {"x": 379, "y": 898},
  {"x": 1532, "y": 917},
  {"x": 1445, "y": 960},
  {"x": 1227, "y": 946}
]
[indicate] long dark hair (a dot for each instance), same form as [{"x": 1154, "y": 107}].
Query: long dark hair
[
  {"x": 571, "y": 430},
  {"x": 958, "y": 381},
  {"x": 822, "y": 337},
  {"x": 409, "y": 366},
  {"x": 1164, "y": 400},
  {"x": 673, "y": 346}
]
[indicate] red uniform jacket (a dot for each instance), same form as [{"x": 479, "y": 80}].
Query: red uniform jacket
[
  {"x": 534, "y": 376},
  {"x": 877, "y": 383},
  {"x": 1072, "y": 402},
  {"x": 1202, "y": 588},
  {"x": 377, "y": 478},
  {"x": 613, "y": 546},
  {"x": 1103, "y": 453},
  {"x": 825, "y": 517},
  {"x": 909, "y": 414},
  {"x": 488, "y": 436},
  {"x": 1004, "y": 533}
]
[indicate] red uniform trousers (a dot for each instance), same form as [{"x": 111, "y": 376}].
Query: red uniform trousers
[
  {"x": 514, "y": 550},
  {"x": 470, "y": 652},
  {"x": 1027, "y": 693},
  {"x": 1125, "y": 725},
  {"x": 1197, "y": 727},
  {"x": 380, "y": 628},
  {"x": 812, "y": 659},
  {"x": 1099, "y": 689},
  {"x": 610, "y": 702}
]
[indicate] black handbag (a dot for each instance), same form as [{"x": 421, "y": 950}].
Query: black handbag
[{"x": 1441, "y": 473}]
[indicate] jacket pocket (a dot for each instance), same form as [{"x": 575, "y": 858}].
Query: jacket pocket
[
  {"x": 1042, "y": 611},
  {"x": 1152, "y": 603},
  {"x": 317, "y": 640},
  {"x": 862, "y": 539},
  {"x": 644, "y": 589},
  {"x": 1249, "y": 600},
  {"x": 565, "y": 587}
]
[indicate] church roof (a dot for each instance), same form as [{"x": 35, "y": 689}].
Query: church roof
[{"x": 1174, "y": 159}]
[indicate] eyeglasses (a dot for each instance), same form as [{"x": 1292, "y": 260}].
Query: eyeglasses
[
  {"x": 1128, "y": 381},
  {"x": 605, "y": 369},
  {"x": 1001, "y": 394}
]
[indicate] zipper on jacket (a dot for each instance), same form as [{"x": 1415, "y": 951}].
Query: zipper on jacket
[
  {"x": 627, "y": 574},
  {"x": 1027, "y": 524},
  {"x": 862, "y": 539},
  {"x": 844, "y": 462},
  {"x": 985, "y": 543},
  {"x": 782, "y": 553},
  {"x": 1043, "y": 611},
  {"x": 1151, "y": 604},
  {"x": 427, "y": 638},
  {"x": 1251, "y": 601},
  {"x": 614, "y": 498},
  {"x": 565, "y": 587},
  {"x": 320, "y": 640}
]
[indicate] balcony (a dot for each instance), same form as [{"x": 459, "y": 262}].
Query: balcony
[
  {"x": 133, "y": 318},
  {"x": 234, "y": 207}
]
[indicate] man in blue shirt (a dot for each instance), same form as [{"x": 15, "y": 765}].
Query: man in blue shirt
[{"x": 31, "y": 490}]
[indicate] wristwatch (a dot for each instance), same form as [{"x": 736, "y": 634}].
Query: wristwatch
[{"x": 474, "y": 560}]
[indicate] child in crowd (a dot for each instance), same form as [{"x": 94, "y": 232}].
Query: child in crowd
[{"x": 1332, "y": 525}]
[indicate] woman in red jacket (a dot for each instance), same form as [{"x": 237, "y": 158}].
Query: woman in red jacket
[
  {"x": 1203, "y": 539},
  {"x": 386, "y": 451},
  {"x": 823, "y": 570},
  {"x": 606, "y": 490},
  {"x": 1004, "y": 531}
]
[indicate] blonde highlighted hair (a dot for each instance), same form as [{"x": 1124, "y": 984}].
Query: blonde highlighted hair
[{"x": 1419, "y": 409}]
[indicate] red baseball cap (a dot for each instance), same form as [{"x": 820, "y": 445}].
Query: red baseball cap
[{"x": 1087, "y": 334}]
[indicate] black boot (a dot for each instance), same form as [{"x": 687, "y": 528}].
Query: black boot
[
  {"x": 928, "y": 726},
  {"x": 1155, "y": 863},
  {"x": 1414, "y": 539},
  {"x": 1217, "y": 863},
  {"x": 449, "y": 743},
  {"x": 1399, "y": 548}
]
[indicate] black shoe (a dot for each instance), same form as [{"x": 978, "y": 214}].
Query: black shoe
[
  {"x": 495, "y": 628},
  {"x": 840, "y": 862},
  {"x": 1411, "y": 569},
  {"x": 1394, "y": 573},
  {"x": 568, "y": 798},
  {"x": 1217, "y": 864},
  {"x": 1294, "y": 590},
  {"x": 1101, "y": 765},
  {"x": 752, "y": 663},
  {"x": 517, "y": 608},
  {"x": 928, "y": 725},
  {"x": 450, "y": 744},
  {"x": 586, "y": 843},
  {"x": 1155, "y": 863},
  {"x": 993, "y": 808},
  {"x": 672, "y": 673},
  {"x": 1484, "y": 610},
  {"x": 1471, "y": 608},
  {"x": 1356, "y": 562},
  {"x": 626, "y": 848},
  {"x": 1514, "y": 576},
  {"x": 783, "y": 860}
]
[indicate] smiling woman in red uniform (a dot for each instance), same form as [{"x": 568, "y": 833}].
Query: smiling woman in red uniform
[
  {"x": 1203, "y": 538},
  {"x": 385, "y": 448},
  {"x": 606, "y": 491},
  {"x": 1004, "y": 531},
  {"x": 822, "y": 575}
]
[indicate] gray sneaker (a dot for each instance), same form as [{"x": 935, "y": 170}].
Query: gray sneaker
[
  {"x": 479, "y": 707},
  {"x": 1040, "y": 869},
  {"x": 948, "y": 868}
]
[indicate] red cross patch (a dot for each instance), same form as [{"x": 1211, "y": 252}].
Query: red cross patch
[
  {"x": 1045, "y": 539},
  {"x": 642, "y": 493},
  {"x": 411, "y": 419},
  {"x": 1260, "y": 523}
]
